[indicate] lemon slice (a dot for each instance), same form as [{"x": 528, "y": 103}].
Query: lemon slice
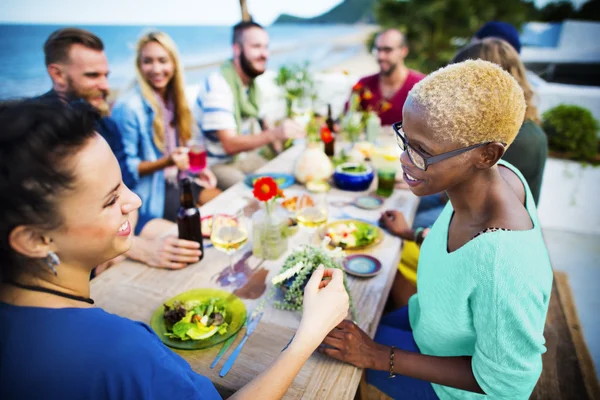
[{"x": 199, "y": 332}]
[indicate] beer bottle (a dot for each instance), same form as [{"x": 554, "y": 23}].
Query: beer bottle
[
  {"x": 188, "y": 216},
  {"x": 330, "y": 145}
]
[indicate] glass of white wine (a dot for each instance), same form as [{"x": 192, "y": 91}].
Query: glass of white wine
[
  {"x": 311, "y": 211},
  {"x": 229, "y": 234}
]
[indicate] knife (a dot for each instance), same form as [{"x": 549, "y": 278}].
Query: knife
[
  {"x": 225, "y": 347},
  {"x": 251, "y": 326}
]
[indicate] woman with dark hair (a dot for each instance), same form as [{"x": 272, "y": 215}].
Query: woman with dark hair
[{"x": 63, "y": 210}]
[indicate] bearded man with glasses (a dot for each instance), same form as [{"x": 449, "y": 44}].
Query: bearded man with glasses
[{"x": 386, "y": 91}]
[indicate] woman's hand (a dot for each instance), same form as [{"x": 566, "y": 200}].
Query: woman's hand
[
  {"x": 169, "y": 252},
  {"x": 325, "y": 304},
  {"x": 348, "y": 343},
  {"x": 206, "y": 179},
  {"x": 395, "y": 223},
  {"x": 181, "y": 158}
]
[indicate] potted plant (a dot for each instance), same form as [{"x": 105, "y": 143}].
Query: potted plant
[
  {"x": 572, "y": 132},
  {"x": 297, "y": 270}
]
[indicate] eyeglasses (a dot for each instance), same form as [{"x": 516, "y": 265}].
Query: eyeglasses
[
  {"x": 385, "y": 49},
  {"x": 419, "y": 159}
]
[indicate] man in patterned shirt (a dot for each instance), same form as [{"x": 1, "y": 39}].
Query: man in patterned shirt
[{"x": 228, "y": 114}]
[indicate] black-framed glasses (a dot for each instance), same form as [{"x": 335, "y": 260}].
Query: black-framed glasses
[{"x": 419, "y": 159}]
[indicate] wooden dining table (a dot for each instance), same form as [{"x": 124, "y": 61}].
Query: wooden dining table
[{"x": 134, "y": 290}]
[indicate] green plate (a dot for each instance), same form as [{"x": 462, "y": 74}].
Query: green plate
[{"x": 236, "y": 316}]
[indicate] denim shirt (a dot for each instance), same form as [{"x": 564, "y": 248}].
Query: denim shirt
[{"x": 133, "y": 116}]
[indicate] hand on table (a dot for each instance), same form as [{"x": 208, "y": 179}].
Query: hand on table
[
  {"x": 181, "y": 158},
  {"x": 170, "y": 252},
  {"x": 395, "y": 223},
  {"x": 348, "y": 343},
  {"x": 325, "y": 304}
]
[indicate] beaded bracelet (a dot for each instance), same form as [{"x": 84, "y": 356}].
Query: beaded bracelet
[
  {"x": 418, "y": 233},
  {"x": 392, "y": 375}
]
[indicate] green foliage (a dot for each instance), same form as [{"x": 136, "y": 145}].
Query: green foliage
[
  {"x": 557, "y": 11},
  {"x": 347, "y": 12},
  {"x": 297, "y": 82},
  {"x": 436, "y": 28},
  {"x": 311, "y": 257},
  {"x": 589, "y": 11},
  {"x": 571, "y": 129}
]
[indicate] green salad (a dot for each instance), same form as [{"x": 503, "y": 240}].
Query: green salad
[
  {"x": 355, "y": 169},
  {"x": 195, "y": 319}
]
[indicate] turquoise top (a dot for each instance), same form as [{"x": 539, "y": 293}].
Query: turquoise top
[{"x": 487, "y": 299}]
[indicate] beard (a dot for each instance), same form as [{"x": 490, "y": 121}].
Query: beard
[
  {"x": 86, "y": 94},
  {"x": 390, "y": 70},
  {"x": 247, "y": 66}
]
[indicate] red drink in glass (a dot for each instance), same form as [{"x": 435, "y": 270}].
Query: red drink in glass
[{"x": 197, "y": 155}]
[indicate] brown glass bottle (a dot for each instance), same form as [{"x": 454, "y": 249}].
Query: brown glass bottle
[
  {"x": 188, "y": 216},
  {"x": 330, "y": 146}
]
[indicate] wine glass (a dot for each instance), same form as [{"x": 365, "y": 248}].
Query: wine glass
[
  {"x": 229, "y": 234},
  {"x": 311, "y": 210},
  {"x": 197, "y": 155}
]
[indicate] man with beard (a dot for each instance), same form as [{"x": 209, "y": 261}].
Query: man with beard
[
  {"x": 78, "y": 67},
  {"x": 386, "y": 91},
  {"x": 227, "y": 110}
]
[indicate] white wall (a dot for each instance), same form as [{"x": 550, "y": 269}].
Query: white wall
[{"x": 570, "y": 197}]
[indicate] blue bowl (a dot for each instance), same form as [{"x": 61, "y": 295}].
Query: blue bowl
[{"x": 353, "y": 181}]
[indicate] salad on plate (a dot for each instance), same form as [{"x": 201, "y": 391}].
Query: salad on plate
[{"x": 195, "y": 319}]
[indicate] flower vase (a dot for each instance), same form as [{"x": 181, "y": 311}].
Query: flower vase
[{"x": 269, "y": 226}]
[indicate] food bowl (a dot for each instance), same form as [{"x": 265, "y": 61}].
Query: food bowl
[{"x": 353, "y": 176}]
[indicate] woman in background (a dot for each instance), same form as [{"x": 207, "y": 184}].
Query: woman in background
[{"x": 156, "y": 123}]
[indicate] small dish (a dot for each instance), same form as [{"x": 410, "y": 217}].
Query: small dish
[
  {"x": 353, "y": 176},
  {"x": 362, "y": 265}
]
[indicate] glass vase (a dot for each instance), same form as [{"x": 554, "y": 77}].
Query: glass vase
[{"x": 269, "y": 232}]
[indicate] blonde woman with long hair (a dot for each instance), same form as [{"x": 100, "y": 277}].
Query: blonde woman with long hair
[{"x": 156, "y": 123}]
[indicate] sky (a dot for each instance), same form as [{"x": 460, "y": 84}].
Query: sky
[
  {"x": 160, "y": 12},
  {"x": 163, "y": 12}
]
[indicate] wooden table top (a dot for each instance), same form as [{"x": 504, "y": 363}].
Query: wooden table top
[{"x": 134, "y": 290}]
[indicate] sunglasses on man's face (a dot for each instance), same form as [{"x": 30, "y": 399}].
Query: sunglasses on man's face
[{"x": 421, "y": 160}]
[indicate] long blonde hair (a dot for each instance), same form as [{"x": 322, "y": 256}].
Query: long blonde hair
[
  {"x": 502, "y": 53},
  {"x": 176, "y": 88}
]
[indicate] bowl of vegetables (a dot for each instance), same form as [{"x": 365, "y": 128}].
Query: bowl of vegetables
[{"x": 353, "y": 176}]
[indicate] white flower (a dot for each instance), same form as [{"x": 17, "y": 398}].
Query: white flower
[{"x": 287, "y": 274}]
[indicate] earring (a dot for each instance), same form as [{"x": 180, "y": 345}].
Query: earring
[{"x": 52, "y": 261}]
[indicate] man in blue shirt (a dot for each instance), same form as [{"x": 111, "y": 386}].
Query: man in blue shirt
[{"x": 78, "y": 67}]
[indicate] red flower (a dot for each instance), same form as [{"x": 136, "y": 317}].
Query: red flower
[
  {"x": 265, "y": 189},
  {"x": 367, "y": 95},
  {"x": 385, "y": 106},
  {"x": 358, "y": 87},
  {"x": 326, "y": 135}
]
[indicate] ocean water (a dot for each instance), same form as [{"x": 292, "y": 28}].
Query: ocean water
[{"x": 23, "y": 73}]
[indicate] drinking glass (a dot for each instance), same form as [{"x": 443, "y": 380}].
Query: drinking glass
[
  {"x": 311, "y": 210},
  {"x": 197, "y": 155},
  {"x": 229, "y": 235}
]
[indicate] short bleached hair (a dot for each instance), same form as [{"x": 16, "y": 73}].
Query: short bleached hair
[{"x": 471, "y": 102}]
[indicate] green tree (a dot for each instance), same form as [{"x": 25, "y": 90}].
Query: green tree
[
  {"x": 557, "y": 11},
  {"x": 436, "y": 28},
  {"x": 589, "y": 11}
]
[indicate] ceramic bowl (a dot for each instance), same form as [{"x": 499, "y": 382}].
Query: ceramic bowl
[{"x": 353, "y": 181}]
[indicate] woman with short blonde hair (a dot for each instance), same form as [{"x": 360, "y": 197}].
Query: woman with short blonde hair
[{"x": 476, "y": 324}]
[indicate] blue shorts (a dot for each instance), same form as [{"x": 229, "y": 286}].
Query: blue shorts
[{"x": 394, "y": 330}]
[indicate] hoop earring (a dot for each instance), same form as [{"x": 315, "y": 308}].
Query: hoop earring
[{"x": 52, "y": 261}]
